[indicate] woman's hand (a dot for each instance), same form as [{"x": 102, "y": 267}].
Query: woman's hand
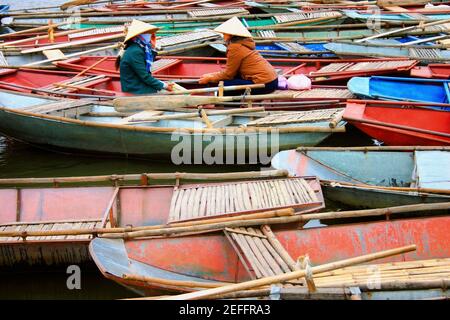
[
  {"x": 169, "y": 86},
  {"x": 206, "y": 78}
]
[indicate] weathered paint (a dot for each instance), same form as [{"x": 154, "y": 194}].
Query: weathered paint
[{"x": 212, "y": 257}]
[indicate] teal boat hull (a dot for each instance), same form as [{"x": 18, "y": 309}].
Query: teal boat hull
[{"x": 348, "y": 171}]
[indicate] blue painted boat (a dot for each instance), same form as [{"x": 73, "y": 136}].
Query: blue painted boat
[
  {"x": 375, "y": 177},
  {"x": 69, "y": 124},
  {"x": 401, "y": 89},
  {"x": 388, "y": 16},
  {"x": 4, "y": 8},
  {"x": 367, "y": 50}
]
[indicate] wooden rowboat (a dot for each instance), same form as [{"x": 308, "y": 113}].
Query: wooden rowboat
[
  {"x": 396, "y": 125},
  {"x": 148, "y": 267},
  {"x": 383, "y": 176},
  {"x": 63, "y": 123},
  {"x": 36, "y": 208},
  {"x": 401, "y": 89},
  {"x": 433, "y": 70},
  {"x": 421, "y": 53}
]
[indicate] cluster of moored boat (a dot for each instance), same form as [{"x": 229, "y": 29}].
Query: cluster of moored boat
[{"x": 268, "y": 234}]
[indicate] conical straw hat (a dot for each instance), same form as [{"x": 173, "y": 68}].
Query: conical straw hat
[
  {"x": 138, "y": 27},
  {"x": 234, "y": 27}
]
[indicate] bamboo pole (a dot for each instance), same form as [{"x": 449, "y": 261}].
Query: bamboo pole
[
  {"x": 42, "y": 28},
  {"x": 173, "y": 283},
  {"x": 285, "y": 220},
  {"x": 134, "y": 119},
  {"x": 281, "y": 216},
  {"x": 152, "y": 176},
  {"x": 204, "y": 224},
  {"x": 217, "y": 292},
  {"x": 64, "y": 33},
  {"x": 368, "y": 186}
]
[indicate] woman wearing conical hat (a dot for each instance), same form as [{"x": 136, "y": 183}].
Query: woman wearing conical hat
[
  {"x": 244, "y": 64},
  {"x": 136, "y": 61}
]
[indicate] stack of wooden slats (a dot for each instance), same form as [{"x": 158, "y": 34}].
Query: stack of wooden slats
[{"x": 198, "y": 202}]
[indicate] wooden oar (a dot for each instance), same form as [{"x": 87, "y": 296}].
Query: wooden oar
[
  {"x": 180, "y": 101},
  {"x": 91, "y": 67}
]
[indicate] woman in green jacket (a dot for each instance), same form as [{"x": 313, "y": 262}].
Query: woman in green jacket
[{"x": 136, "y": 61}]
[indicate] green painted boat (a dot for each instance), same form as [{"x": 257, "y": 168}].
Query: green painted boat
[
  {"x": 421, "y": 53},
  {"x": 395, "y": 16},
  {"x": 374, "y": 177},
  {"x": 89, "y": 127}
]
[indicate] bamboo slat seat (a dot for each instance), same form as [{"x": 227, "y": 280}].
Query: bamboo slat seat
[{"x": 191, "y": 202}]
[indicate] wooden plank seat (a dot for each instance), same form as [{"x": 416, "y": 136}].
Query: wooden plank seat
[
  {"x": 96, "y": 31},
  {"x": 62, "y": 108},
  {"x": 297, "y": 117},
  {"x": 320, "y": 93},
  {"x": 233, "y": 198},
  {"x": 50, "y": 226},
  {"x": 186, "y": 38},
  {"x": 298, "y": 16},
  {"x": 83, "y": 81}
]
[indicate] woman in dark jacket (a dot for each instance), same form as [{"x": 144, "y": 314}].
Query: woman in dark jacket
[{"x": 136, "y": 61}]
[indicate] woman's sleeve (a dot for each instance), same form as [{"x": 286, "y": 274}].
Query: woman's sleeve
[
  {"x": 234, "y": 57},
  {"x": 138, "y": 64}
]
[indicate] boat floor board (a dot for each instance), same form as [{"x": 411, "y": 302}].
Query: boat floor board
[
  {"x": 303, "y": 117},
  {"x": 256, "y": 253}
]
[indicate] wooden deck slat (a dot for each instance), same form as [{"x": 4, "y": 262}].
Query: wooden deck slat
[{"x": 194, "y": 202}]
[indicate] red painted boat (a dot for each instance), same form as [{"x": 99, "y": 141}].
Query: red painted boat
[
  {"x": 400, "y": 123},
  {"x": 59, "y": 83},
  {"x": 168, "y": 5},
  {"x": 24, "y": 42},
  {"x": 434, "y": 70},
  {"x": 212, "y": 258},
  {"x": 320, "y": 70},
  {"x": 55, "y": 208}
]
